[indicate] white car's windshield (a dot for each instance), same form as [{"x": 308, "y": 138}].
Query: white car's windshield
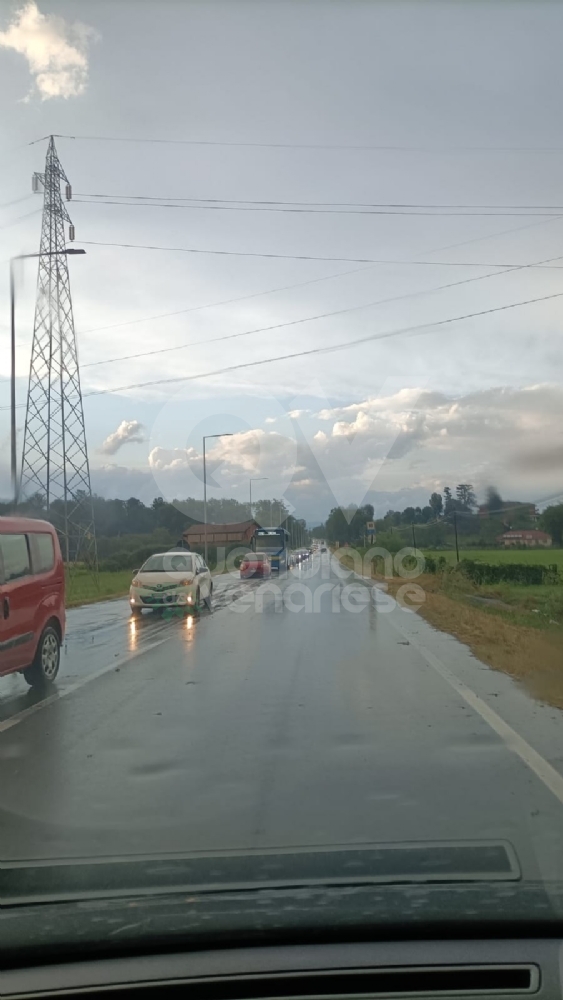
[{"x": 168, "y": 564}]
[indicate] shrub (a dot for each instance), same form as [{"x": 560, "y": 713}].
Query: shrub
[
  {"x": 109, "y": 565},
  {"x": 522, "y": 573}
]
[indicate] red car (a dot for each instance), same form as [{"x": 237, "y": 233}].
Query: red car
[
  {"x": 32, "y": 599},
  {"x": 255, "y": 564}
]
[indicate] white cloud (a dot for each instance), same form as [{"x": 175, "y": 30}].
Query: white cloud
[
  {"x": 128, "y": 432},
  {"x": 56, "y": 51},
  {"x": 170, "y": 459},
  {"x": 392, "y": 451}
]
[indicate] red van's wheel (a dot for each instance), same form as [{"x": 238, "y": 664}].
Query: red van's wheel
[{"x": 45, "y": 666}]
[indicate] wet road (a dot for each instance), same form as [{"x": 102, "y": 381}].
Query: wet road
[{"x": 261, "y": 725}]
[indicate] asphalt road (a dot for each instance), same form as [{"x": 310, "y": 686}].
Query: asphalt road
[{"x": 261, "y": 726}]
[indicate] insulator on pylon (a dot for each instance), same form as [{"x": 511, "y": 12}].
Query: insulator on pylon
[
  {"x": 68, "y": 192},
  {"x": 71, "y": 232},
  {"x": 35, "y": 184}
]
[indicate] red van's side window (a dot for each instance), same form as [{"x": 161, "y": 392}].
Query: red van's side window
[
  {"x": 42, "y": 552},
  {"x": 15, "y": 557}
]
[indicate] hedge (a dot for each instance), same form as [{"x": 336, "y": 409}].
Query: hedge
[{"x": 523, "y": 573}]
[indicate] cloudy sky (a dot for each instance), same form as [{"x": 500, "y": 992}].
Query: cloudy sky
[{"x": 302, "y": 148}]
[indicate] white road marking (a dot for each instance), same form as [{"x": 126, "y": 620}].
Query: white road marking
[
  {"x": 551, "y": 778},
  {"x": 58, "y": 695}
]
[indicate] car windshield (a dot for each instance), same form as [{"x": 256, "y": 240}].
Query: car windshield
[
  {"x": 267, "y": 542},
  {"x": 281, "y": 379},
  {"x": 168, "y": 564}
]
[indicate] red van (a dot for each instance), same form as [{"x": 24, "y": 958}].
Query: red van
[{"x": 32, "y": 599}]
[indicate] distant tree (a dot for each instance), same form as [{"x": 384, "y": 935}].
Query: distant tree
[
  {"x": 436, "y": 504},
  {"x": 337, "y": 526},
  {"x": 448, "y": 501},
  {"x": 523, "y": 517},
  {"x": 319, "y": 531},
  {"x": 427, "y": 513},
  {"x": 552, "y": 521},
  {"x": 466, "y": 496},
  {"x": 409, "y": 515}
]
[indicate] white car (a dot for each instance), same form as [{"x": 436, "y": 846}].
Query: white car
[{"x": 171, "y": 579}]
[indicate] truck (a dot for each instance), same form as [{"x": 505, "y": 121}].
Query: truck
[{"x": 274, "y": 542}]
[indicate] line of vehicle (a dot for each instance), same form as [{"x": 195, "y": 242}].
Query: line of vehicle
[{"x": 15, "y": 720}]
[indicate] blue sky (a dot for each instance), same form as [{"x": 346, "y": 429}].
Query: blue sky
[{"x": 282, "y": 100}]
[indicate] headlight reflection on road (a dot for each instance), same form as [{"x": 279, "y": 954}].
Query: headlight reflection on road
[{"x": 133, "y": 637}]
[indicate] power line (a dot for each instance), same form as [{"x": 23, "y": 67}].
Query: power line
[
  {"x": 16, "y": 201},
  {"x": 21, "y": 218},
  {"x": 287, "y": 256},
  {"x": 312, "y": 145},
  {"x": 326, "y": 349},
  {"x": 222, "y": 302},
  {"x": 308, "y": 211},
  {"x": 311, "y": 281},
  {"x": 312, "y": 204},
  {"x": 308, "y": 319}
]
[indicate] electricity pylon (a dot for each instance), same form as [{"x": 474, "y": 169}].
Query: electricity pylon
[{"x": 55, "y": 456}]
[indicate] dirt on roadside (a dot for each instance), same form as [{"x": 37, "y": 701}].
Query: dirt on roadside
[{"x": 533, "y": 657}]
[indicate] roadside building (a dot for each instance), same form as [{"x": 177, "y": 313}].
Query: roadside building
[
  {"x": 220, "y": 534},
  {"x": 531, "y": 538}
]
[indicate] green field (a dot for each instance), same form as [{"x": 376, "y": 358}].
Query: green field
[
  {"x": 538, "y": 557},
  {"x": 81, "y": 586}
]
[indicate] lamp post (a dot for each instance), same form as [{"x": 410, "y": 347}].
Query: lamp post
[
  {"x": 22, "y": 256},
  {"x": 206, "y": 438},
  {"x": 257, "y": 479}
]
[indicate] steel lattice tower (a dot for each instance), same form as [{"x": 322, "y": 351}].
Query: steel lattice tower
[{"x": 55, "y": 456}]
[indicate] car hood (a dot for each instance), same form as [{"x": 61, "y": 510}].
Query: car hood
[
  {"x": 253, "y": 898},
  {"x": 164, "y": 581}
]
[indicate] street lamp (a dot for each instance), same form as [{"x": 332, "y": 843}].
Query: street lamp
[
  {"x": 206, "y": 438},
  {"x": 257, "y": 479},
  {"x": 21, "y": 256}
]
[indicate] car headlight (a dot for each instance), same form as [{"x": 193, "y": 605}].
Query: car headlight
[
  {"x": 185, "y": 583},
  {"x": 136, "y": 583}
]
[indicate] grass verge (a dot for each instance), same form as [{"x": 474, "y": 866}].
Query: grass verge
[{"x": 82, "y": 588}]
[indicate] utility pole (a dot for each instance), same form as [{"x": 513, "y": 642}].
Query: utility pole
[
  {"x": 413, "y": 536},
  {"x": 13, "y": 448},
  {"x": 55, "y": 455},
  {"x": 456, "y": 544}
]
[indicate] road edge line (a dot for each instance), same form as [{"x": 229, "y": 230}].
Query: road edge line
[{"x": 545, "y": 771}]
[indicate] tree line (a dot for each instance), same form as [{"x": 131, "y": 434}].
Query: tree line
[
  {"x": 120, "y": 519},
  {"x": 451, "y": 510}
]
